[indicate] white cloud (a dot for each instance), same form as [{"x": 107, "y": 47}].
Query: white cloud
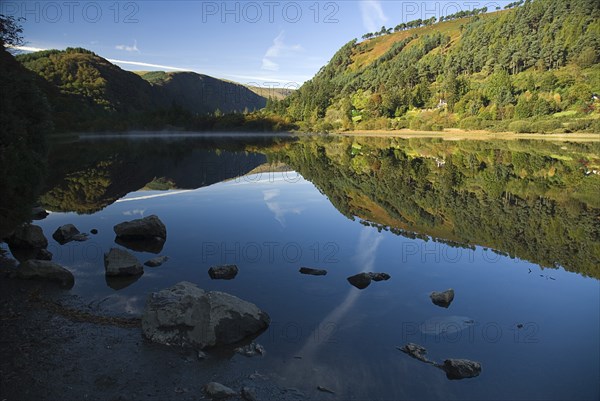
[
  {"x": 126, "y": 48},
  {"x": 166, "y": 67},
  {"x": 278, "y": 50},
  {"x": 278, "y": 208},
  {"x": 372, "y": 15}
]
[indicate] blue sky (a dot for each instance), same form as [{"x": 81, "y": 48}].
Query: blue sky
[{"x": 259, "y": 42}]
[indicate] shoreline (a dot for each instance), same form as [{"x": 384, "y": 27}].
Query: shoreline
[{"x": 455, "y": 134}]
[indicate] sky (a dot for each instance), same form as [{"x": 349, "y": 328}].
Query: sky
[{"x": 265, "y": 43}]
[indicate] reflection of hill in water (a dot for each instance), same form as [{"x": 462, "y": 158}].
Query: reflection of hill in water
[
  {"x": 88, "y": 176},
  {"x": 534, "y": 200}
]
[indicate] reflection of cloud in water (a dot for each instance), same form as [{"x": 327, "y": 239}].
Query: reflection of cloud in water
[
  {"x": 137, "y": 198},
  {"x": 368, "y": 244},
  {"x": 279, "y": 209},
  {"x": 134, "y": 212},
  {"x": 118, "y": 303}
]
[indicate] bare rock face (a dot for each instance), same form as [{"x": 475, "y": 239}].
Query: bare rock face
[
  {"x": 186, "y": 315},
  {"x": 443, "y": 299},
  {"x": 360, "y": 280},
  {"x": 146, "y": 228},
  {"x": 45, "y": 270},
  {"x": 118, "y": 262},
  {"x": 457, "y": 369},
  {"x": 28, "y": 236}
]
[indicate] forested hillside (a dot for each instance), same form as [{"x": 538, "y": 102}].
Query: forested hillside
[
  {"x": 528, "y": 69},
  {"x": 203, "y": 94},
  {"x": 87, "y": 92}
]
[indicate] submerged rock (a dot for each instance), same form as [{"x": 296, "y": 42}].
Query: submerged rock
[
  {"x": 155, "y": 262},
  {"x": 118, "y": 262},
  {"x": 313, "y": 272},
  {"x": 224, "y": 272},
  {"x": 416, "y": 351},
  {"x": 457, "y": 369},
  {"x": 186, "y": 315},
  {"x": 148, "y": 227},
  {"x": 94, "y": 231},
  {"x": 28, "y": 236},
  {"x": 360, "y": 280},
  {"x": 151, "y": 245},
  {"x": 251, "y": 349},
  {"x": 45, "y": 270},
  {"x": 67, "y": 233},
  {"x": 443, "y": 299},
  {"x": 218, "y": 391},
  {"x": 380, "y": 276}
]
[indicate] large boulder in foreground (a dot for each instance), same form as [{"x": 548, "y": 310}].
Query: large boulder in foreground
[
  {"x": 147, "y": 228},
  {"x": 186, "y": 315},
  {"x": 45, "y": 270},
  {"x": 118, "y": 262},
  {"x": 28, "y": 236}
]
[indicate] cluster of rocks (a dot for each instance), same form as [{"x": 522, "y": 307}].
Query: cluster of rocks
[
  {"x": 29, "y": 246},
  {"x": 363, "y": 280},
  {"x": 456, "y": 369}
]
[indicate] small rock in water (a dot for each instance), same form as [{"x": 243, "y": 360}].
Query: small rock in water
[
  {"x": 28, "y": 236},
  {"x": 155, "y": 262},
  {"x": 416, "y": 351},
  {"x": 360, "y": 280},
  {"x": 80, "y": 237},
  {"x": 519, "y": 326},
  {"x": 443, "y": 299},
  {"x": 118, "y": 262},
  {"x": 65, "y": 233},
  {"x": 218, "y": 391},
  {"x": 457, "y": 369},
  {"x": 94, "y": 231},
  {"x": 147, "y": 227},
  {"x": 379, "y": 276},
  {"x": 225, "y": 272},
  {"x": 252, "y": 349},
  {"x": 313, "y": 272}
]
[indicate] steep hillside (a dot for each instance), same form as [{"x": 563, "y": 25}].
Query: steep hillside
[
  {"x": 87, "y": 92},
  {"x": 531, "y": 68},
  {"x": 203, "y": 94}
]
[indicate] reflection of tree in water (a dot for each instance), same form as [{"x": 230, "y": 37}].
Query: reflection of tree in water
[
  {"x": 87, "y": 176},
  {"x": 532, "y": 200}
]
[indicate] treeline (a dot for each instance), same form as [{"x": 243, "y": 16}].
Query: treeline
[
  {"x": 530, "y": 69},
  {"x": 531, "y": 200},
  {"x": 425, "y": 22}
]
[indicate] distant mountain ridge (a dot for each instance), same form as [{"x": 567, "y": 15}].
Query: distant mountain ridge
[{"x": 84, "y": 88}]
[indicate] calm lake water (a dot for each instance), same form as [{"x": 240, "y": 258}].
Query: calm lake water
[{"x": 512, "y": 227}]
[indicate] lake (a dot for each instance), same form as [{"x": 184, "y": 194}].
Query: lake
[{"x": 513, "y": 227}]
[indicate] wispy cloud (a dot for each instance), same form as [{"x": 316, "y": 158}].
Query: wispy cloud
[
  {"x": 166, "y": 67},
  {"x": 278, "y": 208},
  {"x": 372, "y": 15},
  {"x": 278, "y": 50},
  {"x": 126, "y": 48}
]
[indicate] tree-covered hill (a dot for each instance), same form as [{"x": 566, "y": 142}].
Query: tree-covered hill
[
  {"x": 531, "y": 68},
  {"x": 87, "y": 92},
  {"x": 204, "y": 94}
]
